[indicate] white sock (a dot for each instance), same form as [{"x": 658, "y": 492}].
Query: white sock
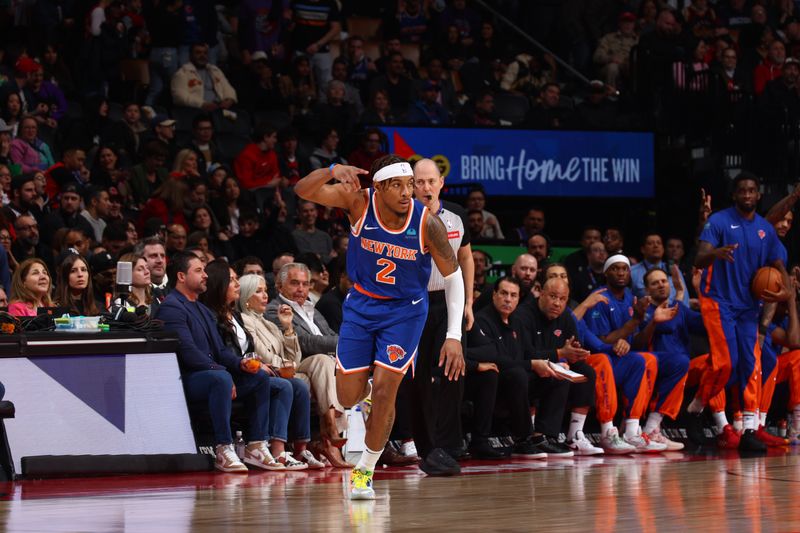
[
  {"x": 653, "y": 422},
  {"x": 631, "y": 427},
  {"x": 575, "y": 424},
  {"x": 696, "y": 406},
  {"x": 368, "y": 460},
  {"x": 748, "y": 420},
  {"x": 605, "y": 426},
  {"x": 720, "y": 420},
  {"x": 762, "y": 419}
]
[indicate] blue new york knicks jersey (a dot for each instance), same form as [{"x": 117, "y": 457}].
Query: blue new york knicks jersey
[{"x": 389, "y": 263}]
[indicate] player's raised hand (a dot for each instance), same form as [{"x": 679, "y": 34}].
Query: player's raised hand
[
  {"x": 664, "y": 313},
  {"x": 725, "y": 252},
  {"x": 452, "y": 358},
  {"x": 640, "y": 306},
  {"x": 348, "y": 176}
]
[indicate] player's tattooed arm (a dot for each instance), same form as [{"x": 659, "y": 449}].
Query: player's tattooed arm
[{"x": 438, "y": 246}]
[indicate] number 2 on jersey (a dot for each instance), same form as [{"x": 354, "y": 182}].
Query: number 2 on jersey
[{"x": 384, "y": 275}]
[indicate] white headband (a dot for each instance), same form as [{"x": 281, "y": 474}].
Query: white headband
[
  {"x": 619, "y": 258},
  {"x": 395, "y": 170}
]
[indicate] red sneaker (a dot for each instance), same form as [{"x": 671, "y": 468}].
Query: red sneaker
[
  {"x": 728, "y": 439},
  {"x": 769, "y": 439}
]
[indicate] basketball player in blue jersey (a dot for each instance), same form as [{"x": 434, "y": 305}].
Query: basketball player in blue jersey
[
  {"x": 393, "y": 239},
  {"x": 733, "y": 245}
]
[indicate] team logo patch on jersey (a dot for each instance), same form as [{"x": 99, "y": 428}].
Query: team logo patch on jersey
[
  {"x": 453, "y": 234},
  {"x": 412, "y": 232},
  {"x": 557, "y": 333},
  {"x": 395, "y": 353},
  {"x": 762, "y": 234}
]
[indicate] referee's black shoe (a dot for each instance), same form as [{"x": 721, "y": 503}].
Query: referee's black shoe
[
  {"x": 694, "y": 428},
  {"x": 749, "y": 443},
  {"x": 439, "y": 463},
  {"x": 481, "y": 448}
]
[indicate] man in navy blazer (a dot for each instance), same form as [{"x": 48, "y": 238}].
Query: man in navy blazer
[{"x": 211, "y": 372}]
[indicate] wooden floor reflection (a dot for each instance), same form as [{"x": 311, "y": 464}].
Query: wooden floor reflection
[{"x": 653, "y": 493}]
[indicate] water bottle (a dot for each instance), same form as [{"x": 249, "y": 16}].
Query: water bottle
[
  {"x": 239, "y": 445},
  {"x": 782, "y": 425}
]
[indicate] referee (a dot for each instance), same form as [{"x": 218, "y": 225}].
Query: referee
[{"x": 436, "y": 401}]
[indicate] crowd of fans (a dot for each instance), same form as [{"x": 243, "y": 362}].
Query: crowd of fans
[{"x": 197, "y": 152}]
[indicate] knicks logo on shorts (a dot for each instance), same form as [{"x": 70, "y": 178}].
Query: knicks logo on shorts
[{"x": 395, "y": 353}]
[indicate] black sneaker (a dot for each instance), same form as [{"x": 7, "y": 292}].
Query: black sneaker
[
  {"x": 552, "y": 447},
  {"x": 439, "y": 463},
  {"x": 458, "y": 454},
  {"x": 527, "y": 449},
  {"x": 749, "y": 442},
  {"x": 483, "y": 449},
  {"x": 694, "y": 428}
]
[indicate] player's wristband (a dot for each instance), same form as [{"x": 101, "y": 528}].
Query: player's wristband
[
  {"x": 454, "y": 295},
  {"x": 330, "y": 168}
]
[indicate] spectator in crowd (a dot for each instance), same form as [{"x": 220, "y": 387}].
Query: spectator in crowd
[
  {"x": 278, "y": 348},
  {"x": 410, "y": 23},
  {"x": 23, "y": 199},
  {"x": 770, "y": 68},
  {"x": 320, "y": 279},
  {"x": 308, "y": 237},
  {"x": 163, "y": 129},
  {"x": 476, "y": 225},
  {"x": 166, "y": 204},
  {"x": 256, "y": 166},
  {"x": 488, "y": 45},
  {"x": 261, "y": 91},
  {"x": 539, "y": 247},
  {"x": 335, "y": 111},
  {"x": 589, "y": 277},
  {"x": 12, "y": 111},
  {"x": 597, "y": 112},
  {"x": 352, "y": 94},
  {"x": 211, "y": 372},
  {"x": 115, "y": 237},
  {"x": 427, "y": 111},
  {"x": 391, "y": 44},
  {"x": 369, "y": 150},
  {"x": 316, "y": 338},
  {"x": 292, "y": 397},
  {"x": 437, "y": 75},
  {"x": 74, "y": 286},
  {"x": 185, "y": 166},
  {"x": 547, "y": 114},
  {"x": 27, "y": 245},
  {"x": 730, "y": 75},
  {"x": 71, "y": 169},
  {"x": 108, "y": 170},
  {"x": 152, "y": 249},
  {"x": 528, "y": 73},
  {"x": 249, "y": 265},
  {"x": 31, "y": 286},
  {"x": 202, "y": 142},
  {"x": 176, "y": 238},
  {"x": 5, "y": 150},
  {"x": 396, "y": 83},
  {"x": 780, "y": 100},
  {"x": 612, "y": 55},
  {"x": 476, "y": 199},
  {"x": 201, "y": 85},
  {"x": 28, "y": 150},
  {"x": 291, "y": 166},
  {"x": 614, "y": 240},
  {"x": 131, "y": 131},
  {"x": 229, "y": 206},
  {"x": 325, "y": 154},
  {"x": 197, "y": 195},
  {"x": 148, "y": 175},
  {"x": 315, "y": 25},
  {"x": 360, "y": 67},
  {"x": 482, "y": 113},
  {"x": 10, "y": 260},
  {"x": 577, "y": 260},
  {"x": 139, "y": 299},
  {"x": 330, "y": 304},
  {"x": 165, "y": 27},
  {"x": 532, "y": 223},
  {"x": 653, "y": 257},
  {"x": 104, "y": 272},
  {"x": 380, "y": 109},
  {"x": 249, "y": 241},
  {"x": 203, "y": 220},
  {"x": 299, "y": 87},
  {"x": 483, "y": 263},
  {"x": 47, "y": 100}
]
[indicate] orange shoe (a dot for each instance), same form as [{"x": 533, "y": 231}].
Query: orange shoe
[
  {"x": 773, "y": 441},
  {"x": 728, "y": 439}
]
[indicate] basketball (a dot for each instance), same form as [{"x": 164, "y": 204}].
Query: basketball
[{"x": 766, "y": 279}]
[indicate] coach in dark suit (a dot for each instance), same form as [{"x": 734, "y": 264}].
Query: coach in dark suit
[{"x": 210, "y": 371}]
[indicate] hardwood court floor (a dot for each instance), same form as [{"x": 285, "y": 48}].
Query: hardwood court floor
[{"x": 674, "y": 492}]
